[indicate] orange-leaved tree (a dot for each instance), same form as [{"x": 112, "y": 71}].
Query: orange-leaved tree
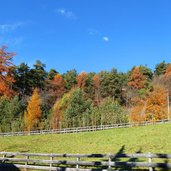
[
  {"x": 168, "y": 71},
  {"x": 81, "y": 79},
  {"x": 33, "y": 112},
  {"x": 166, "y": 79},
  {"x": 6, "y": 79},
  {"x": 59, "y": 108},
  {"x": 137, "y": 112},
  {"x": 96, "y": 84},
  {"x": 55, "y": 88},
  {"x": 156, "y": 104},
  {"x": 137, "y": 79},
  {"x": 59, "y": 85}
]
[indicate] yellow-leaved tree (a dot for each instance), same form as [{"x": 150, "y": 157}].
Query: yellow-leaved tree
[{"x": 33, "y": 112}]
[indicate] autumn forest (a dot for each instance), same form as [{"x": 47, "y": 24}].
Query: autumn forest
[{"x": 32, "y": 98}]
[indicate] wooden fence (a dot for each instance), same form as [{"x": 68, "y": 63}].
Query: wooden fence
[
  {"x": 83, "y": 129},
  {"x": 85, "y": 162}
]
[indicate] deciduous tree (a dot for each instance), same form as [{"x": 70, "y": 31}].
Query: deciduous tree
[
  {"x": 81, "y": 79},
  {"x": 59, "y": 109},
  {"x": 156, "y": 104},
  {"x": 55, "y": 88},
  {"x": 33, "y": 112},
  {"x": 137, "y": 80},
  {"x": 96, "y": 84},
  {"x": 168, "y": 71},
  {"x": 6, "y": 78}
]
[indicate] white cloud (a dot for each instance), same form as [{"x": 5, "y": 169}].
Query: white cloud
[
  {"x": 93, "y": 32},
  {"x": 6, "y": 39},
  {"x": 106, "y": 39},
  {"x": 66, "y": 13},
  {"x": 98, "y": 34},
  {"x": 10, "y": 27}
]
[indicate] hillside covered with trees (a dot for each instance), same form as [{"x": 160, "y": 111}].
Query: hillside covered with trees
[{"x": 33, "y": 98}]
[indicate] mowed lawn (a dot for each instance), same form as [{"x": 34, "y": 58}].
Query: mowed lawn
[{"x": 154, "y": 139}]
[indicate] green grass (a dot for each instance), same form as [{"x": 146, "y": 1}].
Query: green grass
[{"x": 154, "y": 139}]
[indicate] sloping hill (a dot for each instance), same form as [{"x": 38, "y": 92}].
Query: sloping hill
[{"x": 154, "y": 138}]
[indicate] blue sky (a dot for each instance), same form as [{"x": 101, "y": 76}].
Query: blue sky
[{"x": 88, "y": 35}]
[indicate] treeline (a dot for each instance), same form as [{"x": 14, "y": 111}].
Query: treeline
[{"x": 32, "y": 98}]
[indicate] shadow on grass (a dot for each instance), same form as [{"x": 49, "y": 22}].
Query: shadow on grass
[
  {"x": 119, "y": 159},
  {"x": 8, "y": 167},
  {"x": 135, "y": 160},
  {"x": 166, "y": 161}
]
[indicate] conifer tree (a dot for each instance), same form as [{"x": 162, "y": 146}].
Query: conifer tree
[
  {"x": 160, "y": 68},
  {"x": 70, "y": 79}
]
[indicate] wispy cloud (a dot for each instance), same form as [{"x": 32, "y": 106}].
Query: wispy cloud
[
  {"x": 8, "y": 39},
  {"x": 4, "y": 28},
  {"x": 98, "y": 34},
  {"x": 66, "y": 13},
  {"x": 92, "y": 31},
  {"x": 106, "y": 39}
]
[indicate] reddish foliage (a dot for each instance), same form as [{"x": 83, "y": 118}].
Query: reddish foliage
[
  {"x": 81, "y": 79},
  {"x": 156, "y": 104},
  {"x": 137, "y": 80},
  {"x": 168, "y": 71},
  {"x": 57, "y": 116},
  {"x": 6, "y": 79},
  {"x": 58, "y": 85},
  {"x": 55, "y": 88},
  {"x": 152, "y": 108},
  {"x": 96, "y": 84},
  {"x": 96, "y": 81}
]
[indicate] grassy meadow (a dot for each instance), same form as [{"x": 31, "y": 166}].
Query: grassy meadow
[{"x": 153, "y": 138}]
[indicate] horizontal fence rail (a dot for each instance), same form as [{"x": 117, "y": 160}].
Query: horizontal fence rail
[
  {"x": 84, "y": 161},
  {"x": 83, "y": 129}
]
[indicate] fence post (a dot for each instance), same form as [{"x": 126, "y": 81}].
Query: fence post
[
  {"x": 77, "y": 166},
  {"x": 51, "y": 158},
  {"x": 26, "y": 163},
  {"x": 3, "y": 161},
  {"x": 150, "y": 161},
  {"x": 109, "y": 163}
]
